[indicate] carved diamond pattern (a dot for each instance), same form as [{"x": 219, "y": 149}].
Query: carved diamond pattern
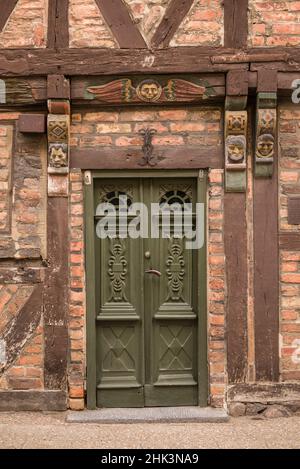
[
  {"x": 118, "y": 349},
  {"x": 176, "y": 348}
]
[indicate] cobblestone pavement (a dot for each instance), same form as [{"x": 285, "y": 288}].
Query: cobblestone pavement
[{"x": 49, "y": 430}]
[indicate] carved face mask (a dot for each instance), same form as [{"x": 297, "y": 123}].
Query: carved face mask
[
  {"x": 149, "y": 90},
  {"x": 58, "y": 157},
  {"x": 236, "y": 149},
  {"x": 265, "y": 146}
]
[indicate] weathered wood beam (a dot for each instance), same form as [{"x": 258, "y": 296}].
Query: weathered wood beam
[
  {"x": 106, "y": 158},
  {"x": 124, "y": 29},
  {"x": 247, "y": 57},
  {"x": 267, "y": 81},
  {"x": 266, "y": 277},
  {"x": 72, "y": 62},
  {"x": 56, "y": 295},
  {"x": 58, "y": 24},
  {"x": 281, "y": 80},
  {"x": 18, "y": 401},
  {"x": 22, "y": 327},
  {"x": 174, "y": 15},
  {"x": 237, "y": 279},
  {"x": 6, "y": 9},
  {"x": 32, "y": 123},
  {"x": 21, "y": 91},
  {"x": 58, "y": 87},
  {"x": 237, "y": 83},
  {"x": 24, "y": 62},
  {"x": 235, "y": 23}
]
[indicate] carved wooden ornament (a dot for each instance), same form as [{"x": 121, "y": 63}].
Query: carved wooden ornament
[
  {"x": 58, "y": 143},
  {"x": 148, "y": 91},
  {"x": 265, "y": 142},
  {"x": 236, "y": 150}
]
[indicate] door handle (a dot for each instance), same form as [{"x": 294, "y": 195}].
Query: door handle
[{"x": 153, "y": 272}]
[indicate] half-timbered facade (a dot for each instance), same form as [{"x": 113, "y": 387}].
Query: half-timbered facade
[{"x": 193, "y": 101}]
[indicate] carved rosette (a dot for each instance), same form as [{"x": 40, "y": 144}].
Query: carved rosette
[
  {"x": 175, "y": 270},
  {"x": 236, "y": 150}
]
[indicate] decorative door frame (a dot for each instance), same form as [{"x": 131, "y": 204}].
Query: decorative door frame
[{"x": 90, "y": 270}]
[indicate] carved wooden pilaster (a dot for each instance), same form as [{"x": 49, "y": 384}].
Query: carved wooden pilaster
[
  {"x": 235, "y": 150},
  {"x": 58, "y": 147},
  {"x": 236, "y": 122},
  {"x": 265, "y": 141}
]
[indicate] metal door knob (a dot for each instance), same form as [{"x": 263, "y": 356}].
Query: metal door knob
[{"x": 153, "y": 272}]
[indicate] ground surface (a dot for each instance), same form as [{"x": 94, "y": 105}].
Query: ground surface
[{"x": 34, "y": 430}]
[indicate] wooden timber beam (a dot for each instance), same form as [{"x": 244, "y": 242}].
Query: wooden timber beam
[
  {"x": 36, "y": 90},
  {"x": 6, "y": 9},
  {"x": 121, "y": 24},
  {"x": 92, "y": 61},
  {"x": 235, "y": 23},
  {"x": 247, "y": 57},
  {"x": 171, "y": 21},
  {"x": 235, "y": 219},
  {"x": 106, "y": 158},
  {"x": 58, "y": 24},
  {"x": 95, "y": 61}
]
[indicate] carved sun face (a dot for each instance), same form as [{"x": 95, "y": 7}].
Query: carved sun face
[
  {"x": 149, "y": 91},
  {"x": 265, "y": 146}
]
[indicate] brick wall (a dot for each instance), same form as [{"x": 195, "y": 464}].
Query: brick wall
[
  {"x": 203, "y": 25},
  {"x": 77, "y": 359},
  {"x": 216, "y": 289},
  {"x": 175, "y": 127},
  {"x": 27, "y": 25},
  {"x": 274, "y": 23},
  {"x": 289, "y": 176},
  {"x": 87, "y": 27}
]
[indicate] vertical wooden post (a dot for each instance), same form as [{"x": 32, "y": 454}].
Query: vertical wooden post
[
  {"x": 58, "y": 24},
  {"x": 266, "y": 252},
  {"x": 235, "y": 229},
  {"x": 56, "y": 282},
  {"x": 235, "y": 23}
]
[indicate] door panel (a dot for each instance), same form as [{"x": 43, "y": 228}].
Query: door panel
[
  {"x": 147, "y": 325},
  {"x": 171, "y": 309},
  {"x": 120, "y": 312}
]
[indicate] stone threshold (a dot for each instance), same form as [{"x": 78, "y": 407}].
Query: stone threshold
[{"x": 149, "y": 415}]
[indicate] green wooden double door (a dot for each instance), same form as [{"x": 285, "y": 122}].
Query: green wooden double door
[{"x": 150, "y": 298}]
